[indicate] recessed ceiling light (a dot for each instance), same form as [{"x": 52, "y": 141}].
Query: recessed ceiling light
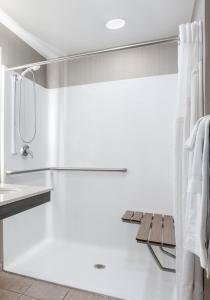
[{"x": 115, "y": 24}]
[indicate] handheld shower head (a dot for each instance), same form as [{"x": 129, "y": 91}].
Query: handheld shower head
[{"x": 35, "y": 68}]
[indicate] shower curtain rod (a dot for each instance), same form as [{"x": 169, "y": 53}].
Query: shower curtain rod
[{"x": 102, "y": 51}]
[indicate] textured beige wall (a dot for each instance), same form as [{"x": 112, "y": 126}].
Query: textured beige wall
[
  {"x": 1, "y": 244},
  {"x": 202, "y": 12},
  {"x": 132, "y": 63},
  {"x": 16, "y": 52},
  {"x": 198, "y": 10},
  {"x": 207, "y": 288}
]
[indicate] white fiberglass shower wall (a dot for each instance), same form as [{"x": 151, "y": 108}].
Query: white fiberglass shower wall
[{"x": 116, "y": 124}]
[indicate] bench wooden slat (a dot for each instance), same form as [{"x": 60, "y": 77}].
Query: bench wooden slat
[
  {"x": 144, "y": 230},
  {"x": 169, "y": 232},
  {"x": 156, "y": 230},
  {"x": 137, "y": 216},
  {"x": 127, "y": 215}
]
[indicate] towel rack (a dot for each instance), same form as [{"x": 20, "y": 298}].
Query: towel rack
[{"x": 14, "y": 172}]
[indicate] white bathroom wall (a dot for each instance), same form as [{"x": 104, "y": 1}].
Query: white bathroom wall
[
  {"x": 31, "y": 227},
  {"x": 126, "y": 123},
  {"x": 16, "y": 52}
]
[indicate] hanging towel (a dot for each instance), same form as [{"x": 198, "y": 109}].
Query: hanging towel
[{"x": 196, "y": 227}]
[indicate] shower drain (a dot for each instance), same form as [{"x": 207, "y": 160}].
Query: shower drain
[{"x": 99, "y": 266}]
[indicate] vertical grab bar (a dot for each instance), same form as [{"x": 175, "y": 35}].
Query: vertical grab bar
[{"x": 14, "y": 123}]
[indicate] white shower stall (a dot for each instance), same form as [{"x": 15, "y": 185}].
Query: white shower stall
[{"x": 115, "y": 124}]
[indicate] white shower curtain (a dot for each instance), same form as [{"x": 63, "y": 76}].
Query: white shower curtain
[{"x": 189, "y": 109}]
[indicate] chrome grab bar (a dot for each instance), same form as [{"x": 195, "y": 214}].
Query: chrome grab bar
[{"x": 14, "y": 172}]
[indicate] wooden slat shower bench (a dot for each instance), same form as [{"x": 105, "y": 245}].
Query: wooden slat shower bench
[{"x": 155, "y": 230}]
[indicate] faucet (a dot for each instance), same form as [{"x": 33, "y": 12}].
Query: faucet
[{"x": 25, "y": 151}]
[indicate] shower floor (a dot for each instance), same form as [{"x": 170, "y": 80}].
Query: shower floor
[{"x": 127, "y": 275}]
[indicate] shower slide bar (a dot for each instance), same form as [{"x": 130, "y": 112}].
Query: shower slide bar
[{"x": 14, "y": 172}]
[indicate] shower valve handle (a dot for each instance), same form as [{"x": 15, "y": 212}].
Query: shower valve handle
[{"x": 25, "y": 151}]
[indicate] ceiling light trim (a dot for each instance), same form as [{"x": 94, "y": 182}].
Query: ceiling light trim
[{"x": 115, "y": 24}]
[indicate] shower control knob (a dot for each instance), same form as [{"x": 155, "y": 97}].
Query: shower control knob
[{"x": 25, "y": 151}]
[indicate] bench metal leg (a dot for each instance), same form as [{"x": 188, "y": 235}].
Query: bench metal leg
[
  {"x": 167, "y": 253},
  {"x": 158, "y": 262}
]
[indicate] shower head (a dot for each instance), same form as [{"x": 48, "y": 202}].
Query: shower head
[{"x": 35, "y": 68}]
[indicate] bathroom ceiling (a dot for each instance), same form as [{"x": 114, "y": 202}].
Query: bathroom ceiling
[{"x": 72, "y": 26}]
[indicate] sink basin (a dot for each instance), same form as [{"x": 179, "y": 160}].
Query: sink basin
[
  {"x": 12, "y": 193},
  {"x": 15, "y": 199},
  {"x": 8, "y": 190}
]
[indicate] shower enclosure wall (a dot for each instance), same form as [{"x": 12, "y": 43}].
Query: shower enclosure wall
[{"x": 113, "y": 124}]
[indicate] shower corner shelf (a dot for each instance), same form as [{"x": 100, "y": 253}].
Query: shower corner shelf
[{"x": 155, "y": 230}]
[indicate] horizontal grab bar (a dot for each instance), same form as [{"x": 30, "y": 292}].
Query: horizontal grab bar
[
  {"x": 90, "y": 169},
  {"x": 122, "y": 170},
  {"x": 26, "y": 171}
]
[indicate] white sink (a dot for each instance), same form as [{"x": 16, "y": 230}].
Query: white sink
[
  {"x": 8, "y": 190},
  {"x": 31, "y": 196},
  {"x": 11, "y": 192}
]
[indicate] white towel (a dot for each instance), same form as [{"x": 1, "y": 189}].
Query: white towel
[{"x": 196, "y": 237}]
